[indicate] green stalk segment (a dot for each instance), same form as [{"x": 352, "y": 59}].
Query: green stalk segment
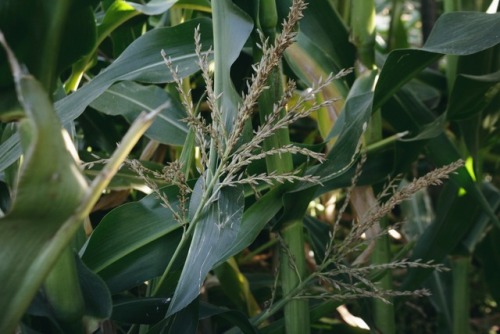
[
  {"x": 460, "y": 269},
  {"x": 292, "y": 254},
  {"x": 384, "y": 313},
  {"x": 363, "y": 30},
  {"x": 62, "y": 290}
]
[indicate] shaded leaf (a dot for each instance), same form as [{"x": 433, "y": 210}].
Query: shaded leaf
[
  {"x": 445, "y": 233},
  {"x": 349, "y": 127},
  {"x": 233, "y": 317},
  {"x": 140, "y": 310},
  {"x": 95, "y": 294},
  {"x": 140, "y": 223},
  {"x": 56, "y": 49},
  {"x": 489, "y": 255},
  {"x": 471, "y": 94},
  {"x": 456, "y": 33},
  {"x": 129, "y": 99}
]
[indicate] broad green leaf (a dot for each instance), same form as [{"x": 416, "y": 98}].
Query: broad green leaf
[
  {"x": 143, "y": 264},
  {"x": 310, "y": 65},
  {"x": 153, "y": 7},
  {"x": 142, "y": 61},
  {"x": 139, "y": 223},
  {"x": 215, "y": 232},
  {"x": 141, "y": 250},
  {"x": 349, "y": 127},
  {"x": 232, "y": 27},
  {"x": 464, "y": 33},
  {"x": 49, "y": 190},
  {"x": 471, "y": 94},
  {"x": 324, "y": 27},
  {"x": 96, "y": 295},
  {"x": 129, "y": 99},
  {"x": 119, "y": 12},
  {"x": 254, "y": 220},
  {"x": 322, "y": 47},
  {"x": 457, "y": 33}
]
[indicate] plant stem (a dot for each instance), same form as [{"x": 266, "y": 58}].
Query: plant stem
[
  {"x": 384, "y": 314},
  {"x": 460, "y": 269},
  {"x": 62, "y": 289},
  {"x": 292, "y": 255},
  {"x": 363, "y": 30}
]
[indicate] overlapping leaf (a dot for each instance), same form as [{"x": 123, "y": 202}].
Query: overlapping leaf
[
  {"x": 142, "y": 61},
  {"x": 215, "y": 232},
  {"x": 457, "y": 33},
  {"x": 129, "y": 99},
  {"x": 49, "y": 190}
]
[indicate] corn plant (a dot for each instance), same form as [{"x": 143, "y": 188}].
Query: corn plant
[{"x": 231, "y": 166}]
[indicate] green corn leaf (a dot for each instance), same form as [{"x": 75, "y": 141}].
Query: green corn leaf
[
  {"x": 213, "y": 235},
  {"x": 153, "y": 7},
  {"x": 142, "y": 61},
  {"x": 349, "y": 127},
  {"x": 49, "y": 190},
  {"x": 228, "y": 43},
  {"x": 129, "y": 99},
  {"x": 471, "y": 94},
  {"x": 457, "y": 33},
  {"x": 133, "y": 256}
]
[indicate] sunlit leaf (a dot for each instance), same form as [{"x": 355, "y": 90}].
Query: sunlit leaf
[
  {"x": 228, "y": 44},
  {"x": 153, "y": 7},
  {"x": 216, "y": 231},
  {"x": 142, "y": 61}
]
